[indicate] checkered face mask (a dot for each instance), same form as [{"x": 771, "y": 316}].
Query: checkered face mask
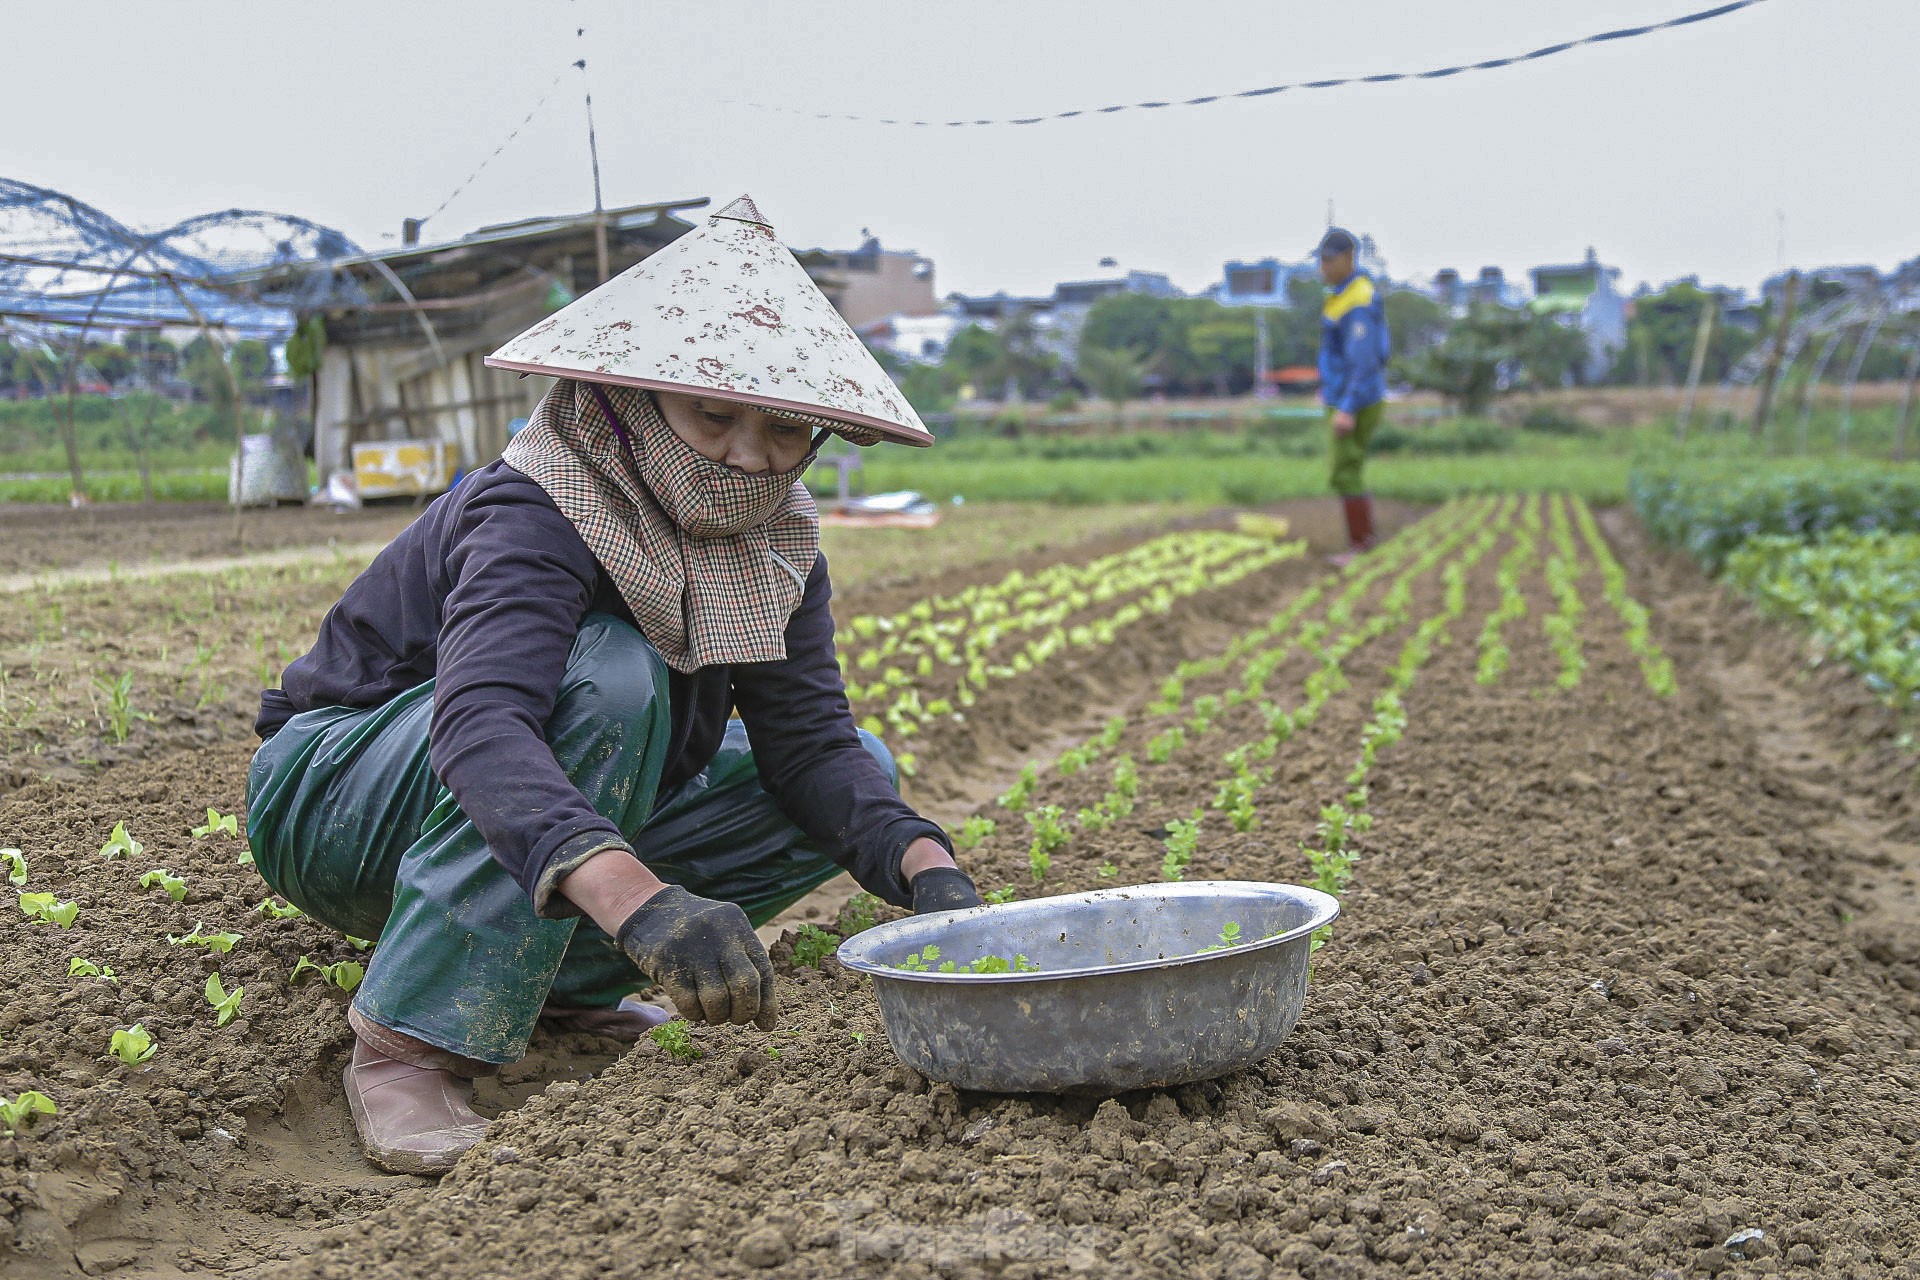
[{"x": 711, "y": 561}]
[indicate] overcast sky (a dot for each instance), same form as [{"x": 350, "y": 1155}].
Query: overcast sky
[{"x": 1680, "y": 152}]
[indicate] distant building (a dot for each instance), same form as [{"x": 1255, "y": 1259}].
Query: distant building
[
  {"x": 1084, "y": 293},
  {"x": 1585, "y": 294},
  {"x": 870, "y": 283},
  {"x": 1851, "y": 277},
  {"x": 1263, "y": 283},
  {"x": 1457, "y": 293},
  {"x": 921, "y": 339},
  {"x": 1058, "y": 318},
  {"x": 1073, "y": 300}
]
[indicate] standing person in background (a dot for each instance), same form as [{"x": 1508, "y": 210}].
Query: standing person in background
[{"x": 1353, "y": 377}]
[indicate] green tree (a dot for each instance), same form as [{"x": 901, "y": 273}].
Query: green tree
[
  {"x": 972, "y": 356},
  {"x": 1468, "y": 365},
  {"x": 110, "y": 361},
  {"x": 1137, "y": 321},
  {"x": 1112, "y": 373},
  {"x": 1021, "y": 363},
  {"x": 1223, "y": 352},
  {"x": 1551, "y": 353},
  {"x": 1662, "y": 333},
  {"x": 1414, "y": 320}
]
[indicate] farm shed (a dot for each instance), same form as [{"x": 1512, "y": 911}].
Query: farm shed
[{"x": 406, "y": 329}]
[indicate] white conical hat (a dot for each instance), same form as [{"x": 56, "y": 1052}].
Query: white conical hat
[{"x": 724, "y": 311}]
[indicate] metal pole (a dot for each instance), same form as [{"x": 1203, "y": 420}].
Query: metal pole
[
  {"x": 1867, "y": 337},
  {"x": 1261, "y": 387},
  {"x": 1764, "y": 406},
  {"x": 1906, "y": 404},
  {"x": 1814, "y": 375},
  {"x": 601, "y": 258}
]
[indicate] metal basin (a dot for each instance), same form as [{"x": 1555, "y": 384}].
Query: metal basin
[{"x": 1124, "y": 998}]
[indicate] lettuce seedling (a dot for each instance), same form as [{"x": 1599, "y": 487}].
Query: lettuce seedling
[
  {"x": 974, "y": 830},
  {"x": 79, "y": 968},
  {"x": 1161, "y": 746},
  {"x": 344, "y": 974},
  {"x": 926, "y": 958},
  {"x": 121, "y": 845},
  {"x": 999, "y": 964},
  {"x": 1183, "y": 837},
  {"x": 1126, "y": 777},
  {"x": 358, "y": 944},
  {"x": 861, "y": 913},
  {"x": 1020, "y": 794},
  {"x": 677, "y": 1039},
  {"x": 1048, "y": 835},
  {"x": 1095, "y": 819},
  {"x": 18, "y": 1113},
  {"x": 218, "y": 943},
  {"x": 16, "y": 864},
  {"x": 120, "y": 712},
  {"x": 245, "y": 859},
  {"x": 268, "y": 907},
  {"x": 226, "y": 1004},
  {"x": 132, "y": 1045},
  {"x": 812, "y": 944},
  {"x": 1229, "y": 937},
  {"x": 175, "y": 886},
  {"x": 44, "y": 908},
  {"x": 217, "y": 823},
  {"x": 998, "y": 896},
  {"x": 1107, "y": 871}
]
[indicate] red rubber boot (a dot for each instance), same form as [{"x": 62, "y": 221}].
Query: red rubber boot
[
  {"x": 1360, "y": 521},
  {"x": 1359, "y": 513}
]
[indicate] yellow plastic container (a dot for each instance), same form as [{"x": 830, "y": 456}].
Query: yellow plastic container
[{"x": 402, "y": 468}]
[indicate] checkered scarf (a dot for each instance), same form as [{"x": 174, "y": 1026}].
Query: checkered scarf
[{"x": 711, "y": 561}]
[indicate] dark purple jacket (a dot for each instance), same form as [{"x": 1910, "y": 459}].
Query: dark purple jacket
[{"x": 484, "y": 594}]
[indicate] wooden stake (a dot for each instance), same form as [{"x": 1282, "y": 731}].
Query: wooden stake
[
  {"x": 1698, "y": 364},
  {"x": 1764, "y": 406}
]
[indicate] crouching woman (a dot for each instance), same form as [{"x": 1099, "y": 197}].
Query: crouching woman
[{"x": 512, "y": 756}]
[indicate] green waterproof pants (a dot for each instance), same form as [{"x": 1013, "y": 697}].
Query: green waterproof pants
[
  {"x": 1350, "y": 450},
  {"x": 349, "y": 823}
]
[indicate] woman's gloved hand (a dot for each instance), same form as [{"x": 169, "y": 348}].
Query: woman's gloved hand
[
  {"x": 706, "y": 956},
  {"x": 943, "y": 889}
]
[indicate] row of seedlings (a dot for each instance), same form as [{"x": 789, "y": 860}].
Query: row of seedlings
[
  {"x": 1147, "y": 591},
  {"x": 1518, "y": 561},
  {"x": 1563, "y": 572},
  {"x": 1331, "y": 854},
  {"x": 1654, "y": 663}
]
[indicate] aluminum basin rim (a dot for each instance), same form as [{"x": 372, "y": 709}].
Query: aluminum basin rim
[{"x": 1326, "y": 911}]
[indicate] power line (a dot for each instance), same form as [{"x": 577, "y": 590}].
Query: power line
[
  {"x": 504, "y": 144},
  {"x": 1438, "y": 73}
]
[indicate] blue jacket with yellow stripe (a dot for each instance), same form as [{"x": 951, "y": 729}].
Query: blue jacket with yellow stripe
[{"x": 1353, "y": 346}]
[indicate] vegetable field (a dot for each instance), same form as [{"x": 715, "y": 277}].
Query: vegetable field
[{"x": 1627, "y": 981}]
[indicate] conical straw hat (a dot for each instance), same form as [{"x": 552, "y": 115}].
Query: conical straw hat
[{"x": 723, "y": 311}]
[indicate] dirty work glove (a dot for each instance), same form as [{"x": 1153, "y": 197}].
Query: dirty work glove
[
  {"x": 943, "y": 889},
  {"x": 705, "y": 954}
]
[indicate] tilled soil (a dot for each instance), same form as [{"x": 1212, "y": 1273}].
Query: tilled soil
[
  {"x": 37, "y": 538},
  {"x": 1594, "y": 1009},
  {"x": 232, "y": 1145},
  {"x": 1591, "y": 1012}
]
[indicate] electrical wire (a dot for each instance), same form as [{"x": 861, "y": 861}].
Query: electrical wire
[
  {"x": 494, "y": 154},
  {"x": 1437, "y": 73}
]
